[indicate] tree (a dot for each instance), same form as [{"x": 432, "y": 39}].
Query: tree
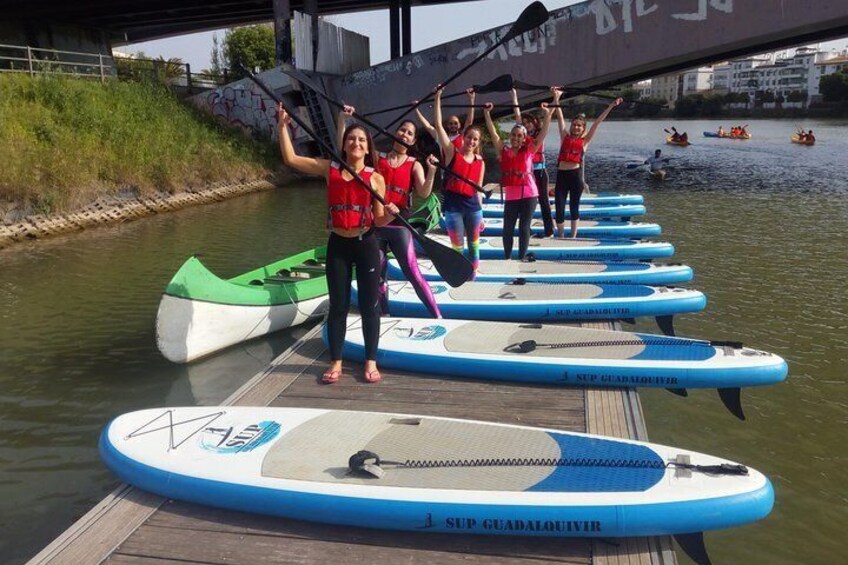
[
  {"x": 251, "y": 47},
  {"x": 216, "y": 57},
  {"x": 834, "y": 87},
  {"x": 797, "y": 96}
]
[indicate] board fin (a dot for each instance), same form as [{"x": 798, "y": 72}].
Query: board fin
[
  {"x": 693, "y": 546},
  {"x": 732, "y": 399},
  {"x": 666, "y": 324},
  {"x": 678, "y": 391}
]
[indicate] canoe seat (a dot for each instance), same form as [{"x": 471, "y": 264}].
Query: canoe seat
[
  {"x": 310, "y": 267},
  {"x": 286, "y": 276}
]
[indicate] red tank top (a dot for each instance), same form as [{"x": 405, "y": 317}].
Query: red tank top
[
  {"x": 398, "y": 180},
  {"x": 348, "y": 201},
  {"x": 571, "y": 149},
  {"x": 463, "y": 168}
]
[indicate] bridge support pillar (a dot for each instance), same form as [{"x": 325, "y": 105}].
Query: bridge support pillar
[
  {"x": 282, "y": 32},
  {"x": 394, "y": 29},
  {"x": 406, "y": 26}
]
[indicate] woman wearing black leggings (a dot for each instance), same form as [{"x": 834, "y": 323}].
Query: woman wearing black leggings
[
  {"x": 353, "y": 214},
  {"x": 517, "y": 181},
  {"x": 569, "y": 181}
]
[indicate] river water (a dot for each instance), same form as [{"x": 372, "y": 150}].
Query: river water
[{"x": 764, "y": 223}]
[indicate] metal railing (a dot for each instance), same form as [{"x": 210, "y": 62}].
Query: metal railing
[
  {"x": 174, "y": 73},
  {"x": 35, "y": 60}
]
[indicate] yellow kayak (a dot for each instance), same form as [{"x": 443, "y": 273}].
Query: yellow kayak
[
  {"x": 798, "y": 140},
  {"x": 670, "y": 141}
]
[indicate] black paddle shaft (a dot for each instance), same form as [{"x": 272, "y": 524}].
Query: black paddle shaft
[
  {"x": 454, "y": 268},
  {"x": 314, "y": 88},
  {"x": 498, "y": 84},
  {"x": 532, "y": 17}
]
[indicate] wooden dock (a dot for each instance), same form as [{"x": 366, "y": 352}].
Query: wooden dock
[{"x": 134, "y": 527}]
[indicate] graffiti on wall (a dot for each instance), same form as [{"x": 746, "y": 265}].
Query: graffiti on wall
[
  {"x": 533, "y": 41},
  {"x": 239, "y": 106},
  {"x": 624, "y": 14}
]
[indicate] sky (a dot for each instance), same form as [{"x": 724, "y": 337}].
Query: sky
[{"x": 431, "y": 25}]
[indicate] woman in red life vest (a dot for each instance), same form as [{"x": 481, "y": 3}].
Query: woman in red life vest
[
  {"x": 517, "y": 179},
  {"x": 463, "y": 213},
  {"x": 453, "y": 125},
  {"x": 352, "y": 216},
  {"x": 403, "y": 175},
  {"x": 533, "y": 126},
  {"x": 569, "y": 181}
]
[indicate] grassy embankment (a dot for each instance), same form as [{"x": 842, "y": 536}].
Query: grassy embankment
[{"x": 66, "y": 142}]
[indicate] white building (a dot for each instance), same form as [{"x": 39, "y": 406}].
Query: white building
[
  {"x": 822, "y": 68},
  {"x": 697, "y": 80},
  {"x": 721, "y": 77},
  {"x": 744, "y": 77},
  {"x": 666, "y": 87}
]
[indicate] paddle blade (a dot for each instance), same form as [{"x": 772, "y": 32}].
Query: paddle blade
[
  {"x": 532, "y": 17},
  {"x": 499, "y": 84},
  {"x": 453, "y": 267}
]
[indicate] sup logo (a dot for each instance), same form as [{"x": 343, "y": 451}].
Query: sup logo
[
  {"x": 235, "y": 439},
  {"x": 429, "y": 332}
]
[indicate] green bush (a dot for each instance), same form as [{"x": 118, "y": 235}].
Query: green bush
[{"x": 66, "y": 142}]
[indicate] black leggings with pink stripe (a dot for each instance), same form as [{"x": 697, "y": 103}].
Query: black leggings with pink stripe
[{"x": 396, "y": 237}]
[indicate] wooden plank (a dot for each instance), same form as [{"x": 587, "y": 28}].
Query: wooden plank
[
  {"x": 94, "y": 536},
  {"x": 293, "y": 379},
  {"x": 219, "y": 536}
]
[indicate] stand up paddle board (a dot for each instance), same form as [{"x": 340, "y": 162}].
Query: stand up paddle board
[
  {"x": 493, "y": 270},
  {"x": 603, "y": 198},
  {"x": 566, "y": 355},
  {"x": 585, "y": 228},
  {"x": 421, "y": 473},
  {"x": 575, "y": 249},
  {"x": 496, "y": 210},
  {"x": 544, "y": 302}
]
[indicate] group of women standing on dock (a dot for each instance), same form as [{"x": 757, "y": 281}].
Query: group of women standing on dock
[{"x": 362, "y": 229}]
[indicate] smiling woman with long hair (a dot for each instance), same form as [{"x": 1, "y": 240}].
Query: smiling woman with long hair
[
  {"x": 569, "y": 180},
  {"x": 352, "y": 216}
]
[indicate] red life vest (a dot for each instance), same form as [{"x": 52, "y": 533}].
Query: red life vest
[
  {"x": 517, "y": 172},
  {"x": 539, "y": 155},
  {"x": 398, "y": 180},
  {"x": 457, "y": 145},
  {"x": 463, "y": 168},
  {"x": 571, "y": 149},
  {"x": 348, "y": 201}
]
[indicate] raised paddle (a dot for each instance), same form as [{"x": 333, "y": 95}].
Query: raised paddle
[
  {"x": 454, "y": 268},
  {"x": 498, "y": 84},
  {"x": 532, "y": 17},
  {"x": 314, "y": 88}
]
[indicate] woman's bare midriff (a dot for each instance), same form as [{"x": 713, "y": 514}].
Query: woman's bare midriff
[
  {"x": 349, "y": 233},
  {"x": 568, "y": 166}
]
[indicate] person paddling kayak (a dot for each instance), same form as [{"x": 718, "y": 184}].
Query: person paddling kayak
[{"x": 657, "y": 164}]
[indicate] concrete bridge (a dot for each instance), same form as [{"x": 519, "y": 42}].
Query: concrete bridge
[{"x": 601, "y": 43}]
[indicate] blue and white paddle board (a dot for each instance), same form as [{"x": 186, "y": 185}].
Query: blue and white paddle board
[
  {"x": 609, "y": 229},
  {"x": 493, "y": 270},
  {"x": 496, "y": 210},
  {"x": 516, "y": 480},
  {"x": 544, "y": 302},
  {"x": 564, "y": 355},
  {"x": 575, "y": 249},
  {"x": 605, "y": 198}
]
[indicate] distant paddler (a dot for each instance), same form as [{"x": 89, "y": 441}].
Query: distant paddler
[{"x": 657, "y": 164}]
